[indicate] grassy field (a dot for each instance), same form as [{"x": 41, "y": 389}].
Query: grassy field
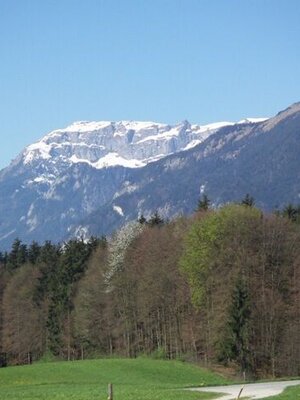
[
  {"x": 138, "y": 379},
  {"x": 292, "y": 393}
]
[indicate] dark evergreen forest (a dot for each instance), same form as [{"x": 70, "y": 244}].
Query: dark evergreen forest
[{"x": 221, "y": 286}]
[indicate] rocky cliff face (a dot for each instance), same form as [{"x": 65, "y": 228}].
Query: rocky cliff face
[
  {"x": 103, "y": 144},
  {"x": 92, "y": 177},
  {"x": 71, "y": 172}
]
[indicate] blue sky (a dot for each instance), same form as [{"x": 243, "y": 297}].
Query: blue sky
[{"x": 161, "y": 60}]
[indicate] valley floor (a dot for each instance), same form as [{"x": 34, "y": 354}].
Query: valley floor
[{"x": 133, "y": 379}]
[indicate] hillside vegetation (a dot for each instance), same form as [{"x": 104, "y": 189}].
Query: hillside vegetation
[{"x": 220, "y": 287}]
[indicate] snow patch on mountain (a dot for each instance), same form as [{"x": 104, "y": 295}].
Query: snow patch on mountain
[
  {"x": 83, "y": 126},
  {"x": 109, "y": 160},
  {"x": 6, "y": 235},
  {"x": 192, "y": 144},
  {"x": 202, "y": 188},
  {"x": 37, "y": 150},
  {"x": 215, "y": 125},
  {"x": 252, "y": 120},
  {"x": 118, "y": 210}
]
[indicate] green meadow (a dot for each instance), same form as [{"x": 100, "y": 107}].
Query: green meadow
[
  {"x": 133, "y": 379},
  {"x": 292, "y": 393}
]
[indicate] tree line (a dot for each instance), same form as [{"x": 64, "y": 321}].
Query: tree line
[{"x": 221, "y": 286}]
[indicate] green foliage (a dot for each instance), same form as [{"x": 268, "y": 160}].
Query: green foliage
[
  {"x": 48, "y": 280},
  {"x": 159, "y": 354},
  {"x": 215, "y": 245},
  {"x": 17, "y": 256},
  {"x": 207, "y": 237},
  {"x": 196, "y": 260},
  {"x": 71, "y": 266},
  {"x": 203, "y": 203},
  {"x": 73, "y": 260},
  {"x": 47, "y": 357},
  {"x": 33, "y": 252},
  {"x": 235, "y": 344}
]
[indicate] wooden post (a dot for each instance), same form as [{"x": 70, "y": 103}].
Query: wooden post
[
  {"x": 110, "y": 391},
  {"x": 81, "y": 348},
  {"x": 240, "y": 392}
]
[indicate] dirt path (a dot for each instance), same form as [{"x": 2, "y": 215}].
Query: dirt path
[{"x": 251, "y": 390}]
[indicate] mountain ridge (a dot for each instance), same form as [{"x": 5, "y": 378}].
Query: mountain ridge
[
  {"x": 108, "y": 143},
  {"x": 54, "y": 196}
]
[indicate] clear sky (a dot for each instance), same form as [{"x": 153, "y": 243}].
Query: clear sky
[{"x": 161, "y": 60}]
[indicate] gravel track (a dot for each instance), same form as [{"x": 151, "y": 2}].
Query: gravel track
[{"x": 251, "y": 390}]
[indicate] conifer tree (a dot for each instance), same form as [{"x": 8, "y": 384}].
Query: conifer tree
[
  {"x": 142, "y": 220},
  {"x": 33, "y": 252},
  {"x": 155, "y": 220},
  {"x": 291, "y": 212},
  {"x": 17, "y": 255},
  {"x": 236, "y": 345},
  {"x": 248, "y": 201},
  {"x": 203, "y": 203}
]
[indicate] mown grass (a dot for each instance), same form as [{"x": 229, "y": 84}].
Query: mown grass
[
  {"x": 137, "y": 379},
  {"x": 291, "y": 393}
]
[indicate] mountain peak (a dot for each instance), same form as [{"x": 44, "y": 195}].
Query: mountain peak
[
  {"x": 131, "y": 144},
  {"x": 127, "y": 143}
]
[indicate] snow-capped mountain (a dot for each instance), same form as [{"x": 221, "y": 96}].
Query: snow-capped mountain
[
  {"x": 92, "y": 177},
  {"x": 71, "y": 172},
  {"x": 130, "y": 144}
]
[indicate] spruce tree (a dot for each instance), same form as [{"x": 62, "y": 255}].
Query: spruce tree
[
  {"x": 235, "y": 345},
  {"x": 155, "y": 220},
  {"x": 291, "y": 212},
  {"x": 142, "y": 220},
  {"x": 17, "y": 255},
  {"x": 33, "y": 252},
  {"x": 248, "y": 201},
  {"x": 203, "y": 203}
]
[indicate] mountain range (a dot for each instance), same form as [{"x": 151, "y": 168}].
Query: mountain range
[{"x": 92, "y": 177}]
